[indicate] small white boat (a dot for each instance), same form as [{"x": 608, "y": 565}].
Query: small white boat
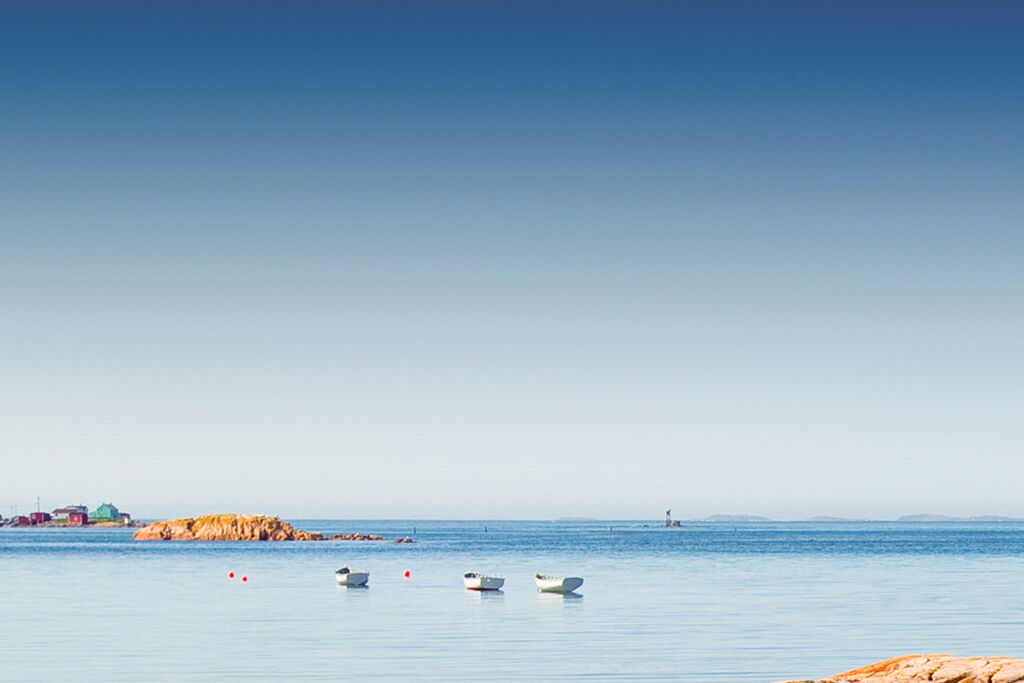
[
  {"x": 481, "y": 582},
  {"x": 346, "y": 576},
  {"x": 557, "y": 584}
]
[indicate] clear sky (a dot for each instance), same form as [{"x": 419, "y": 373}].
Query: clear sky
[{"x": 513, "y": 259}]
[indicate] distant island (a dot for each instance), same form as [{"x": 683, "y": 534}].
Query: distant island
[
  {"x": 735, "y": 518},
  {"x": 928, "y": 517},
  {"x": 921, "y": 517}
]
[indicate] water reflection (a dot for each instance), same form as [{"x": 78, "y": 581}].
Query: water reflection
[
  {"x": 357, "y": 594},
  {"x": 478, "y": 596},
  {"x": 559, "y": 599}
]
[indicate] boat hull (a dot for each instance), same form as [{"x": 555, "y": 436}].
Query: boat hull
[
  {"x": 557, "y": 584},
  {"x": 352, "y": 578},
  {"x": 483, "y": 583}
]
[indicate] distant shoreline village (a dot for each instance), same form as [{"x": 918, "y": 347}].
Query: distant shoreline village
[{"x": 104, "y": 515}]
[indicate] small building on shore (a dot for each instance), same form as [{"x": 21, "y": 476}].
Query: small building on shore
[
  {"x": 39, "y": 517},
  {"x": 65, "y": 512},
  {"x": 106, "y": 512},
  {"x": 78, "y": 519}
]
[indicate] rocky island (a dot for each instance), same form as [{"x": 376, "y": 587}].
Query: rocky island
[
  {"x": 934, "y": 668},
  {"x": 236, "y": 528}
]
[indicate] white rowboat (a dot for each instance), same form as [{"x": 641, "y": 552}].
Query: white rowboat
[
  {"x": 482, "y": 582},
  {"x": 557, "y": 584},
  {"x": 346, "y": 576}
]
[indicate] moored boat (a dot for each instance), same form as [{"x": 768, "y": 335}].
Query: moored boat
[
  {"x": 557, "y": 584},
  {"x": 481, "y": 582},
  {"x": 346, "y": 576}
]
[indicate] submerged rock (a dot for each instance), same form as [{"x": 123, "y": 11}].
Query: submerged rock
[
  {"x": 225, "y": 528},
  {"x": 934, "y": 668}
]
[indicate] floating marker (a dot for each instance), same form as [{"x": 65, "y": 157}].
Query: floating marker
[
  {"x": 231, "y": 575},
  {"x": 407, "y": 574},
  {"x": 244, "y": 579}
]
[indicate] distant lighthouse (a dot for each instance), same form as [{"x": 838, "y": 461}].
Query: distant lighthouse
[{"x": 668, "y": 517}]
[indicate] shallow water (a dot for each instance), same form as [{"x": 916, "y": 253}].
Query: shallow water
[{"x": 705, "y": 602}]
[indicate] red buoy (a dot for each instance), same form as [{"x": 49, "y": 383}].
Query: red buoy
[
  {"x": 244, "y": 579},
  {"x": 231, "y": 575},
  {"x": 407, "y": 574}
]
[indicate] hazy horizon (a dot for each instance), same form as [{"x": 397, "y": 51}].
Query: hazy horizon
[
  {"x": 632, "y": 513},
  {"x": 733, "y": 258}
]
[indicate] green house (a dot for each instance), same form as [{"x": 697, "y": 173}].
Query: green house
[{"x": 106, "y": 512}]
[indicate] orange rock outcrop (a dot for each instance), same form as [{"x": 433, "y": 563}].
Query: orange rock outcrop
[
  {"x": 224, "y": 528},
  {"x": 237, "y": 528},
  {"x": 934, "y": 669}
]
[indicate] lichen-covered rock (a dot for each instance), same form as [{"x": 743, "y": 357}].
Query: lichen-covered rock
[
  {"x": 357, "y": 537},
  {"x": 934, "y": 669},
  {"x": 224, "y": 528}
]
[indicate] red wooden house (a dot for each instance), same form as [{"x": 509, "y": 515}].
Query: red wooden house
[
  {"x": 78, "y": 519},
  {"x": 39, "y": 517}
]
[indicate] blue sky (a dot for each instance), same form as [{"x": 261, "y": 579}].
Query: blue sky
[{"x": 472, "y": 259}]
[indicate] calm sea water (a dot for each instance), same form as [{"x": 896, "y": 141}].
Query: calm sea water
[{"x": 705, "y": 602}]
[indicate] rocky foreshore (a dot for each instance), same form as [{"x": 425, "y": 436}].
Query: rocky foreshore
[
  {"x": 237, "y": 528},
  {"x": 934, "y": 669}
]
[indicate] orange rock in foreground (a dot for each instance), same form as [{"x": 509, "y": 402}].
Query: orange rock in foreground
[
  {"x": 936, "y": 669},
  {"x": 224, "y": 528}
]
